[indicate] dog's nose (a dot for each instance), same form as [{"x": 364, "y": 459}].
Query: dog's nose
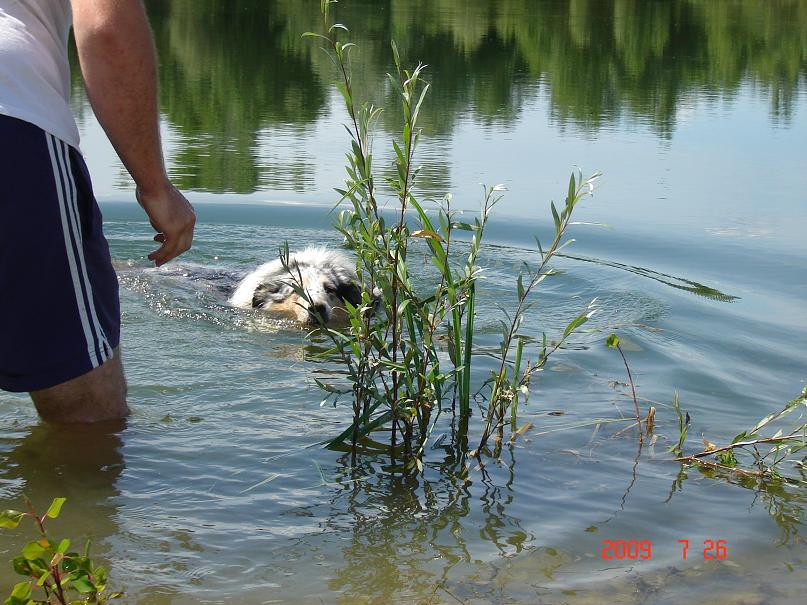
[{"x": 321, "y": 310}]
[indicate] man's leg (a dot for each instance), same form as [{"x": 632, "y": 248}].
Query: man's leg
[
  {"x": 59, "y": 309},
  {"x": 95, "y": 396}
]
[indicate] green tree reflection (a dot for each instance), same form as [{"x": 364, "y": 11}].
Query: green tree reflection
[
  {"x": 229, "y": 70},
  {"x": 236, "y": 74}
]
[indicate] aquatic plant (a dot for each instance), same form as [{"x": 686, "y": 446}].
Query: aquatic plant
[
  {"x": 743, "y": 455},
  {"x": 612, "y": 342},
  {"x": 683, "y": 425},
  {"x": 781, "y": 455},
  {"x": 52, "y": 567},
  {"x": 399, "y": 378}
]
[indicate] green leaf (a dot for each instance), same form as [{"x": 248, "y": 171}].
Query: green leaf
[
  {"x": 33, "y": 550},
  {"x": 727, "y": 458},
  {"x": 314, "y": 35},
  {"x": 398, "y": 152},
  {"x": 612, "y": 342},
  {"x": 63, "y": 546},
  {"x": 427, "y": 234},
  {"x": 572, "y": 186},
  {"x": 365, "y": 428},
  {"x": 39, "y": 566},
  {"x": 404, "y": 305},
  {"x": 762, "y": 423},
  {"x": 55, "y": 507},
  {"x": 84, "y": 563},
  {"x": 10, "y": 518},
  {"x": 555, "y": 217},
  {"x": 348, "y": 100},
  {"x": 100, "y": 575},
  {"x": 576, "y": 323},
  {"x": 43, "y": 578},
  {"x": 564, "y": 244},
  {"x": 69, "y": 562},
  {"x": 419, "y": 103},
  {"x": 83, "y": 585},
  {"x": 330, "y": 388},
  {"x": 21, "y": 591},
  {"x": 739, "y": 437},
  {"x": 388, "y": 363},
  {"x": 540, "y": 247},
  {"x": 21, "y": 566}
]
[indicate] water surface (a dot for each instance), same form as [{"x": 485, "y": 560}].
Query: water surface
[{"x": 694, "y": 111}]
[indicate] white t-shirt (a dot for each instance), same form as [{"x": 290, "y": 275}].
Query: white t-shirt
[{"x": 34, "y": 69}]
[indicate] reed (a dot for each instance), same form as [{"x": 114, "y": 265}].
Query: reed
[{"x": 408, "y": 351}]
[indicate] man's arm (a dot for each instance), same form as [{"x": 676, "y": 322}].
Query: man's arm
[{"x": 116, "y": 52}]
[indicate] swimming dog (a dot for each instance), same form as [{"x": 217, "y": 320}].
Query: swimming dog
[{"x": 327, "y": 277}]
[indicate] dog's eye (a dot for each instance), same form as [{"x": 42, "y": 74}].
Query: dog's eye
[{"x": 329, "y": 288}]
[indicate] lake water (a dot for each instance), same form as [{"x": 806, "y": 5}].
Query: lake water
[{"x": 216, "y": 492}]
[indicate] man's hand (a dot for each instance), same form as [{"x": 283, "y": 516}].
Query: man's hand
[{"x": 173, "y": 219}]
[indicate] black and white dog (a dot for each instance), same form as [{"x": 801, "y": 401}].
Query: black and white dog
[{"x": 328, "y": 278}]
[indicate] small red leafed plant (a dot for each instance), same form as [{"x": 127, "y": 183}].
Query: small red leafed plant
[{"x": 55, "y": 575}]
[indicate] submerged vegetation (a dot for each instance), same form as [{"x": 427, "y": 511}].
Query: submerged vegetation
[
  {"x": 411, "y": 362},
  {"x": 780, "y": 455}
]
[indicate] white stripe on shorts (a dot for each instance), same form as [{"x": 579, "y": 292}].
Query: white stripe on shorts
[
  {"x": 71, "y": 258},
  {"x": 73, "y": 215}
]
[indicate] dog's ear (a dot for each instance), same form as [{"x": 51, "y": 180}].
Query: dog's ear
[
  {"x": 261, "y": 296},
  {"x": 350, "y": 292}
]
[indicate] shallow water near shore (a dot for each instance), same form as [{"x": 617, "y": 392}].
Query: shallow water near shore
[{"x": 216, "y": 490}]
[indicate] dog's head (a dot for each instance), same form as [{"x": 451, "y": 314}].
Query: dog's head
[{"x": 327, "y": 278}]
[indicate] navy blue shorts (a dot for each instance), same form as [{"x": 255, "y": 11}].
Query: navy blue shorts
[{"x": 59, "y": 306}]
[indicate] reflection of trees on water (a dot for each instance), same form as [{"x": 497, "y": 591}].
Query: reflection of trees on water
[
  {"x": 600, "y": 58},
  {"x": 236, "y": 74},
  {"x": 228, "y": 71}
]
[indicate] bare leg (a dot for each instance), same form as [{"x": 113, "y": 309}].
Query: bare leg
[{"x": 98, "y": 395}]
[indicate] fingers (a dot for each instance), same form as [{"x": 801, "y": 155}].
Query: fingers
[
  {"x": 165, "y": 253},
  {"x": 171, "y": 247},
  {"x": 173, "y": 218}
]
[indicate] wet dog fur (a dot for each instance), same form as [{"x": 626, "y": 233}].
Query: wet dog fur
[{"x": 328, "y": 277}]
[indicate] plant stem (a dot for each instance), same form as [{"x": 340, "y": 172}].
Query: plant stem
[
  {"x": 633, "y": 390},
  {"x": 741, "y": 444}
]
